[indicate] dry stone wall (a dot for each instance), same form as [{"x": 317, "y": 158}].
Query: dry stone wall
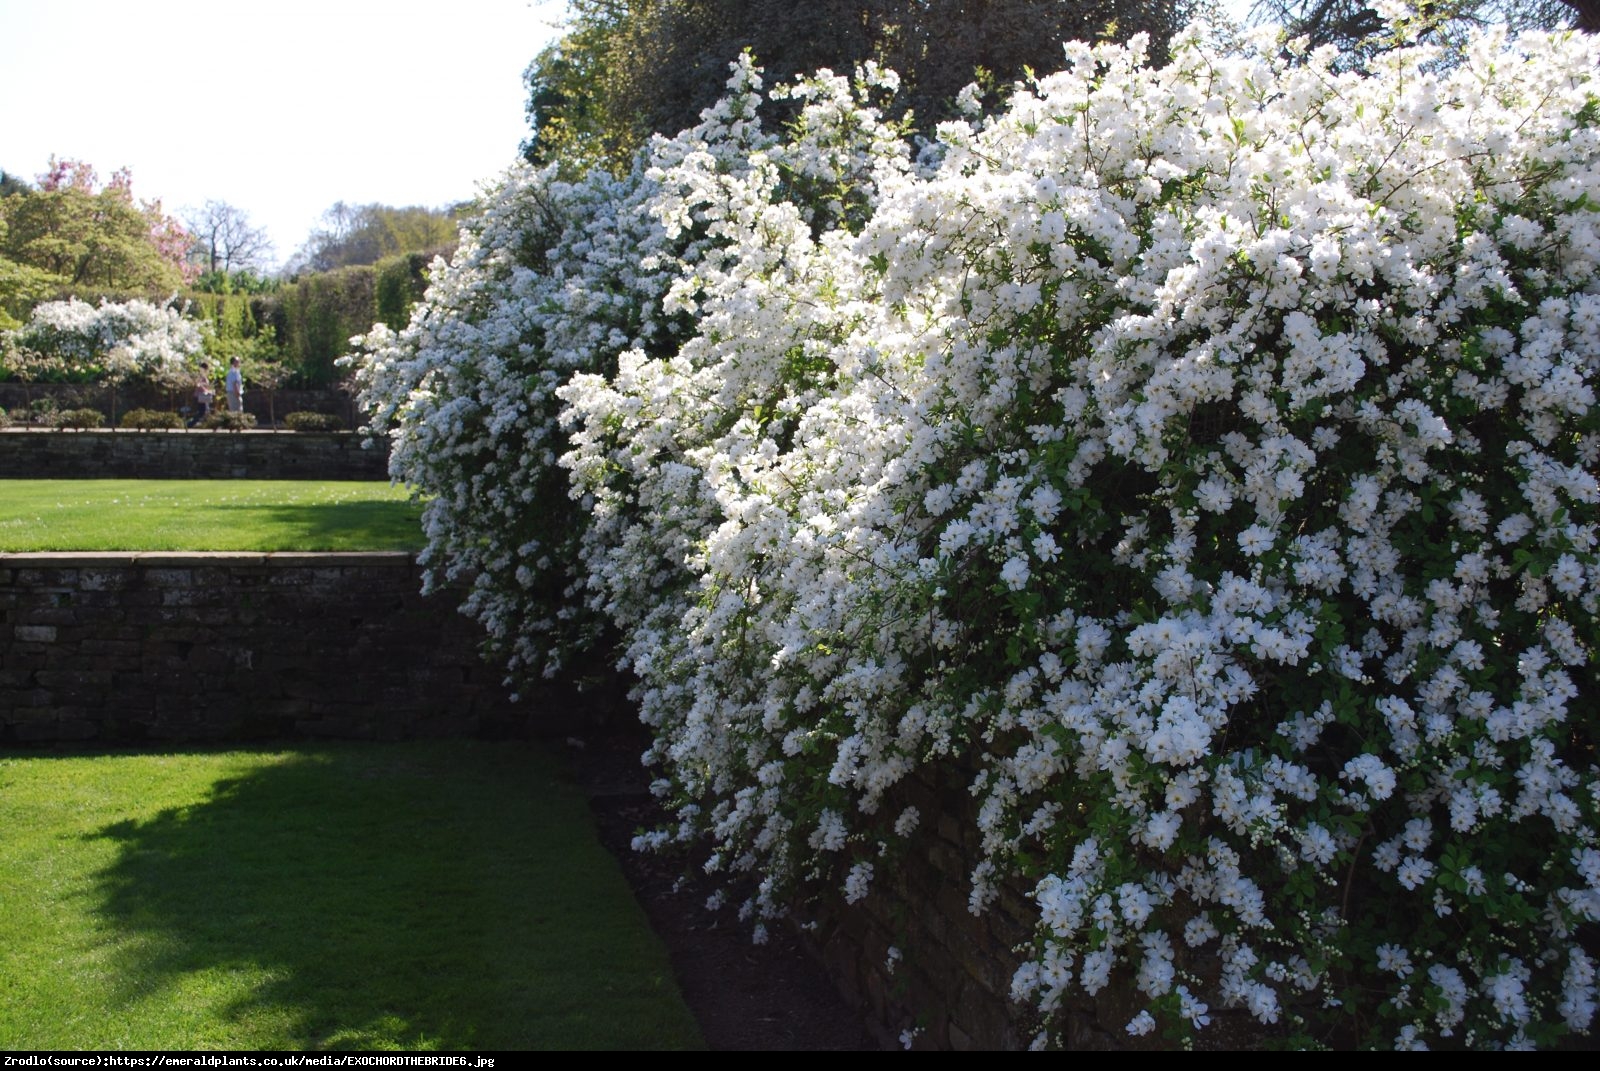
[
  {"x": 16, "y": 397},
  {"x": 37, "y": 454},
  {"x": 949, "y": 979},
  {"x": 124, "y": 648},
  {"x": 947, "y": 985}
]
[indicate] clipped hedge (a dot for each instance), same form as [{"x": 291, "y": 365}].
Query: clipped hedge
[
  {"x": 314, "y": 318},
  {"x": 150, "y": 419},
  {"x": 304, "y": 421},
  {"x": 79, "y": 418},
  {"x": 223, "y": 420}
]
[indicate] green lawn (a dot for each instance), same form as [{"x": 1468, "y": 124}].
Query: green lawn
[
  {"x": 371, "y": 896},
  {"x": 246, "y": 515}
]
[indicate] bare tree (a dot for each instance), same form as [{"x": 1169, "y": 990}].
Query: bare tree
[{"x": 225, "y": 240}]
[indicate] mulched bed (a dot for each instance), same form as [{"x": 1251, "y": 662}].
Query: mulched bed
[{"x": 746, "y": 997}]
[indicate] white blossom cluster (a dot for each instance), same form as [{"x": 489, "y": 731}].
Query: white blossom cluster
[
  {"x": 553, "y": 278},
  {"x": 117, "y": 341},
  {"x": 1205, "y": 454}
]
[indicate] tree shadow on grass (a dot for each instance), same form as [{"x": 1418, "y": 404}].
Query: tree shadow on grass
[
  {"x": 332, "y": 525},
  {"x": 389, "y": 896}
]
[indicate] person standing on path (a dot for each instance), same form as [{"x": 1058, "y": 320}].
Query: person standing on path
[
  {"x": 203, "y": 394},
  {"x": 235, "y": 387}
]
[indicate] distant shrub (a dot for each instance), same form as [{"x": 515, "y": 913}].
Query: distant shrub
[
  {"x": 145, "y": 419},
  {"x": 226, "y": 421},
  {"x": 79, "y": 418},
  {"x": 5, "y": 419},
  {"x": 42, "y": 410},
  {"x": 313, "y": 422},
  {"x": 136, "y": 340}
]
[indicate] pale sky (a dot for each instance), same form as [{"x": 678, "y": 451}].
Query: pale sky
[{"x": 280, "y": 109}]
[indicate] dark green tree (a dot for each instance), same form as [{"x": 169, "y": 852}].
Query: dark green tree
[
  {"x": 630, "y": 68},
  {"x": 11, "y": 183}
]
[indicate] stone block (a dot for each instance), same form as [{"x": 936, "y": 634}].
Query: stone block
[
  {"x": 103, "y": 580},
  {"x": 76, "y": 728},
  {"x": 134, "y": 700},
  {"x": 41, "y": 732},
  {"x": 14, "y": 707},
  {"x": 46, "y": 578},
  {"x": 169, "y": 578},
  {"x": 77, "y": 678},
  {"x": 56, "y": 612},
  {"x": 292, "y": 577}
]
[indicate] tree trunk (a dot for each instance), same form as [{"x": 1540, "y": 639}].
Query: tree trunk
[{"x": 1588, "y": 14}]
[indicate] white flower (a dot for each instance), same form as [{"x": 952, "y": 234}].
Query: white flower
[
  {"x": 1371, "y": 772},
  {"x": 1192, "y": 1009},
  {"x": 1162, "y": 829},
  {"x": 1015, "y": 574},
  {"x": 857, "y": 881},
  {"x": 1255, "y": 540},
  {"x": 1395, "y": 959}
]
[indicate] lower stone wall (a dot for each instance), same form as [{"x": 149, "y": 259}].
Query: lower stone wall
[
  {"x": 33, "y": 454},
  {"x": 951, "y": 980},
  {"x": 127, "y": 648},
  {"x": 950, "y": 983}
]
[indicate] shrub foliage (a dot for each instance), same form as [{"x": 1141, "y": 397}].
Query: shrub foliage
[
  {"x": 223, "y": 420},
  {"x": 79, "y": 418},
  {"x": 119, "y": 341},
  {"x": 150, "y": 419},
  {"x": 305, "y": 421}
]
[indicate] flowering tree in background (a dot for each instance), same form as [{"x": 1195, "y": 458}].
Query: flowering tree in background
[
  {"x": 1201, "y": 455},
  {"x": 87, "y": 235}
]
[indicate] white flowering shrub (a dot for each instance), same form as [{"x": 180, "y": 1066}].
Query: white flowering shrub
[
  {"x": 1204, "y": 454},
  {"x": 113, "y": 341},
  {"x": 465, "y": 392}
]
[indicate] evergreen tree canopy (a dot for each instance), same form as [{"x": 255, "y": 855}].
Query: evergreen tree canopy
[{"x": 631, "y": 68}]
